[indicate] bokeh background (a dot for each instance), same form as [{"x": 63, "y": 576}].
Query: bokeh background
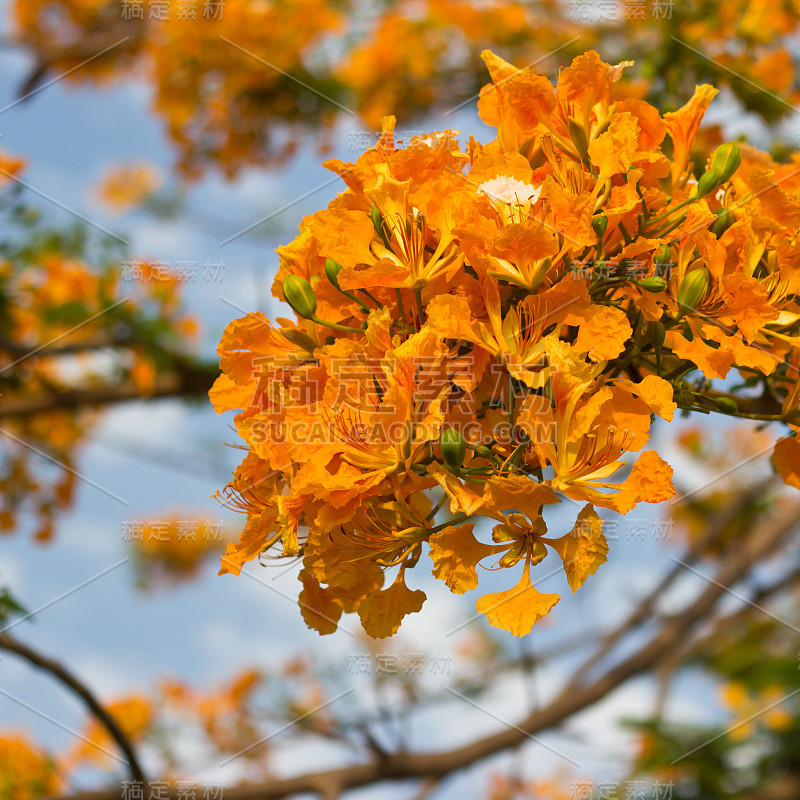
[{"x": 186, "y": 150}]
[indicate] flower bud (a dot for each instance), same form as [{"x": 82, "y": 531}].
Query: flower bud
[
  {"x": 453, "y": 447},
  {"x": 656, "y": 332},
  {"x": 300, "y": 339},
  {"x": 484, "y": 452},
  {"x": 721, "y": 223},
  {"x": 299, "y": 295},
  {"x": 663, "y": 256},
  {"x": 708, "y": 182},
  {"x": 332, "y": 270},
  {"x": 600, "y": 224},
  {"x": 726, "y": 404},
  {"x": 652, "y": 284},
  {"x": 726, "y": 160},
  {"x": 577, "y": 136},
  {"x": 377, "y": 221},
  {"x": 693, "y": 290}
]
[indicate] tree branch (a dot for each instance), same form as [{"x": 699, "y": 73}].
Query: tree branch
[
  {"x": 60, "y": 673},
  {"x": 573, "y": 698},
  {"x": 186, "y": 382}
]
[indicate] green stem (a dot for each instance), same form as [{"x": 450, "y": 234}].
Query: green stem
[
  {"x": 364, "y": 308},
  {"x": 673, "y": 209},
  {"x": 436, "y": 508},
  {"x": 420, "y": 307},
  {"x": 454, "y": 521},
  {"x": 667, "y": 228},
  {"x": 334, "y": 325},
  {"x": 378, "y": 304},
  {"x": 682, "y": 369}
]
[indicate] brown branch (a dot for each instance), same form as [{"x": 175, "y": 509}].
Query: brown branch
[
  {"x": 696, "y": 647},
  {"x": 60, "y": 673},
  {"x": 723, "y": 625},
  {"x": 26, "y": 351},
  {"x": 186, "y": 382},
  {"x": 401, "y": 766},
  {"x": 646, "y": 606},
  {"x": 763, "y": 405}
]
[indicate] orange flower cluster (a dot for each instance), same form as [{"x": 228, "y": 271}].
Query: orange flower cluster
[
  {"x": 135, "y": 715},
  {"x": 66, "y": 338},
  {"x": 497, "y": 325},
  {"x": 25, "y": 771},
  {"x": 168, "y": 551},
  {"x": 128, "y": 186}
]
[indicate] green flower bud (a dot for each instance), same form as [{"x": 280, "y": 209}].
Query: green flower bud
[
  {"x": 721, "y": 223},
  {"x": 600, "y": 224},
  {"x": 652, "y": 284},
  {"x": 484, "y": 452},
  {"x": 453, "y": 447},
  {"x": 301, "y": 339},
  {"x": 577, "y": 136},
  {"x": 332, "y": 270},
  {"x": 377, "y": 221},
  {"x": 299, "y": 295},
  {"x": 656, "y": 332},
  {"x": 663, "y": 256},
  {"x": 726, "y": 160},
  {"x": 726, "y": 404},
  {"x": 693, "y": 290},
  {"x": 708, "y": 182}
]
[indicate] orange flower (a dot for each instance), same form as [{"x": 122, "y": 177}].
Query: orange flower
[{"x": 492, "y": 331}]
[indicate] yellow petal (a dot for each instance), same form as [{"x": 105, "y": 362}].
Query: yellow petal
[
  {"x": 603, "y": 333},
  {"x": 320, "y": 609},
  {"x": 226, "y": 395},
  {"x": 613, "y": 151},
  {"x": 684, "y": 123},
  {"x": 583, "y": 549},
  {"x": 382, "y": 612},
  {"x": 516, "y": 610},
  {"x": 455, "y": 553},
  {"x": 461, "y": 498},
  {"x": 712, "y": 362},
  {"x": 650, "y": 481},
  {"x": 656, "y": 392},
  {"x": 517, "y": 493},
  {"x": 450, "y": 317},
  {"x": 255, "y": 534}
]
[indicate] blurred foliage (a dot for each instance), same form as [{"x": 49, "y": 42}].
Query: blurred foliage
[
  {"x": 246, "y": 82},
  {"x": 76, "y": 333}
]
